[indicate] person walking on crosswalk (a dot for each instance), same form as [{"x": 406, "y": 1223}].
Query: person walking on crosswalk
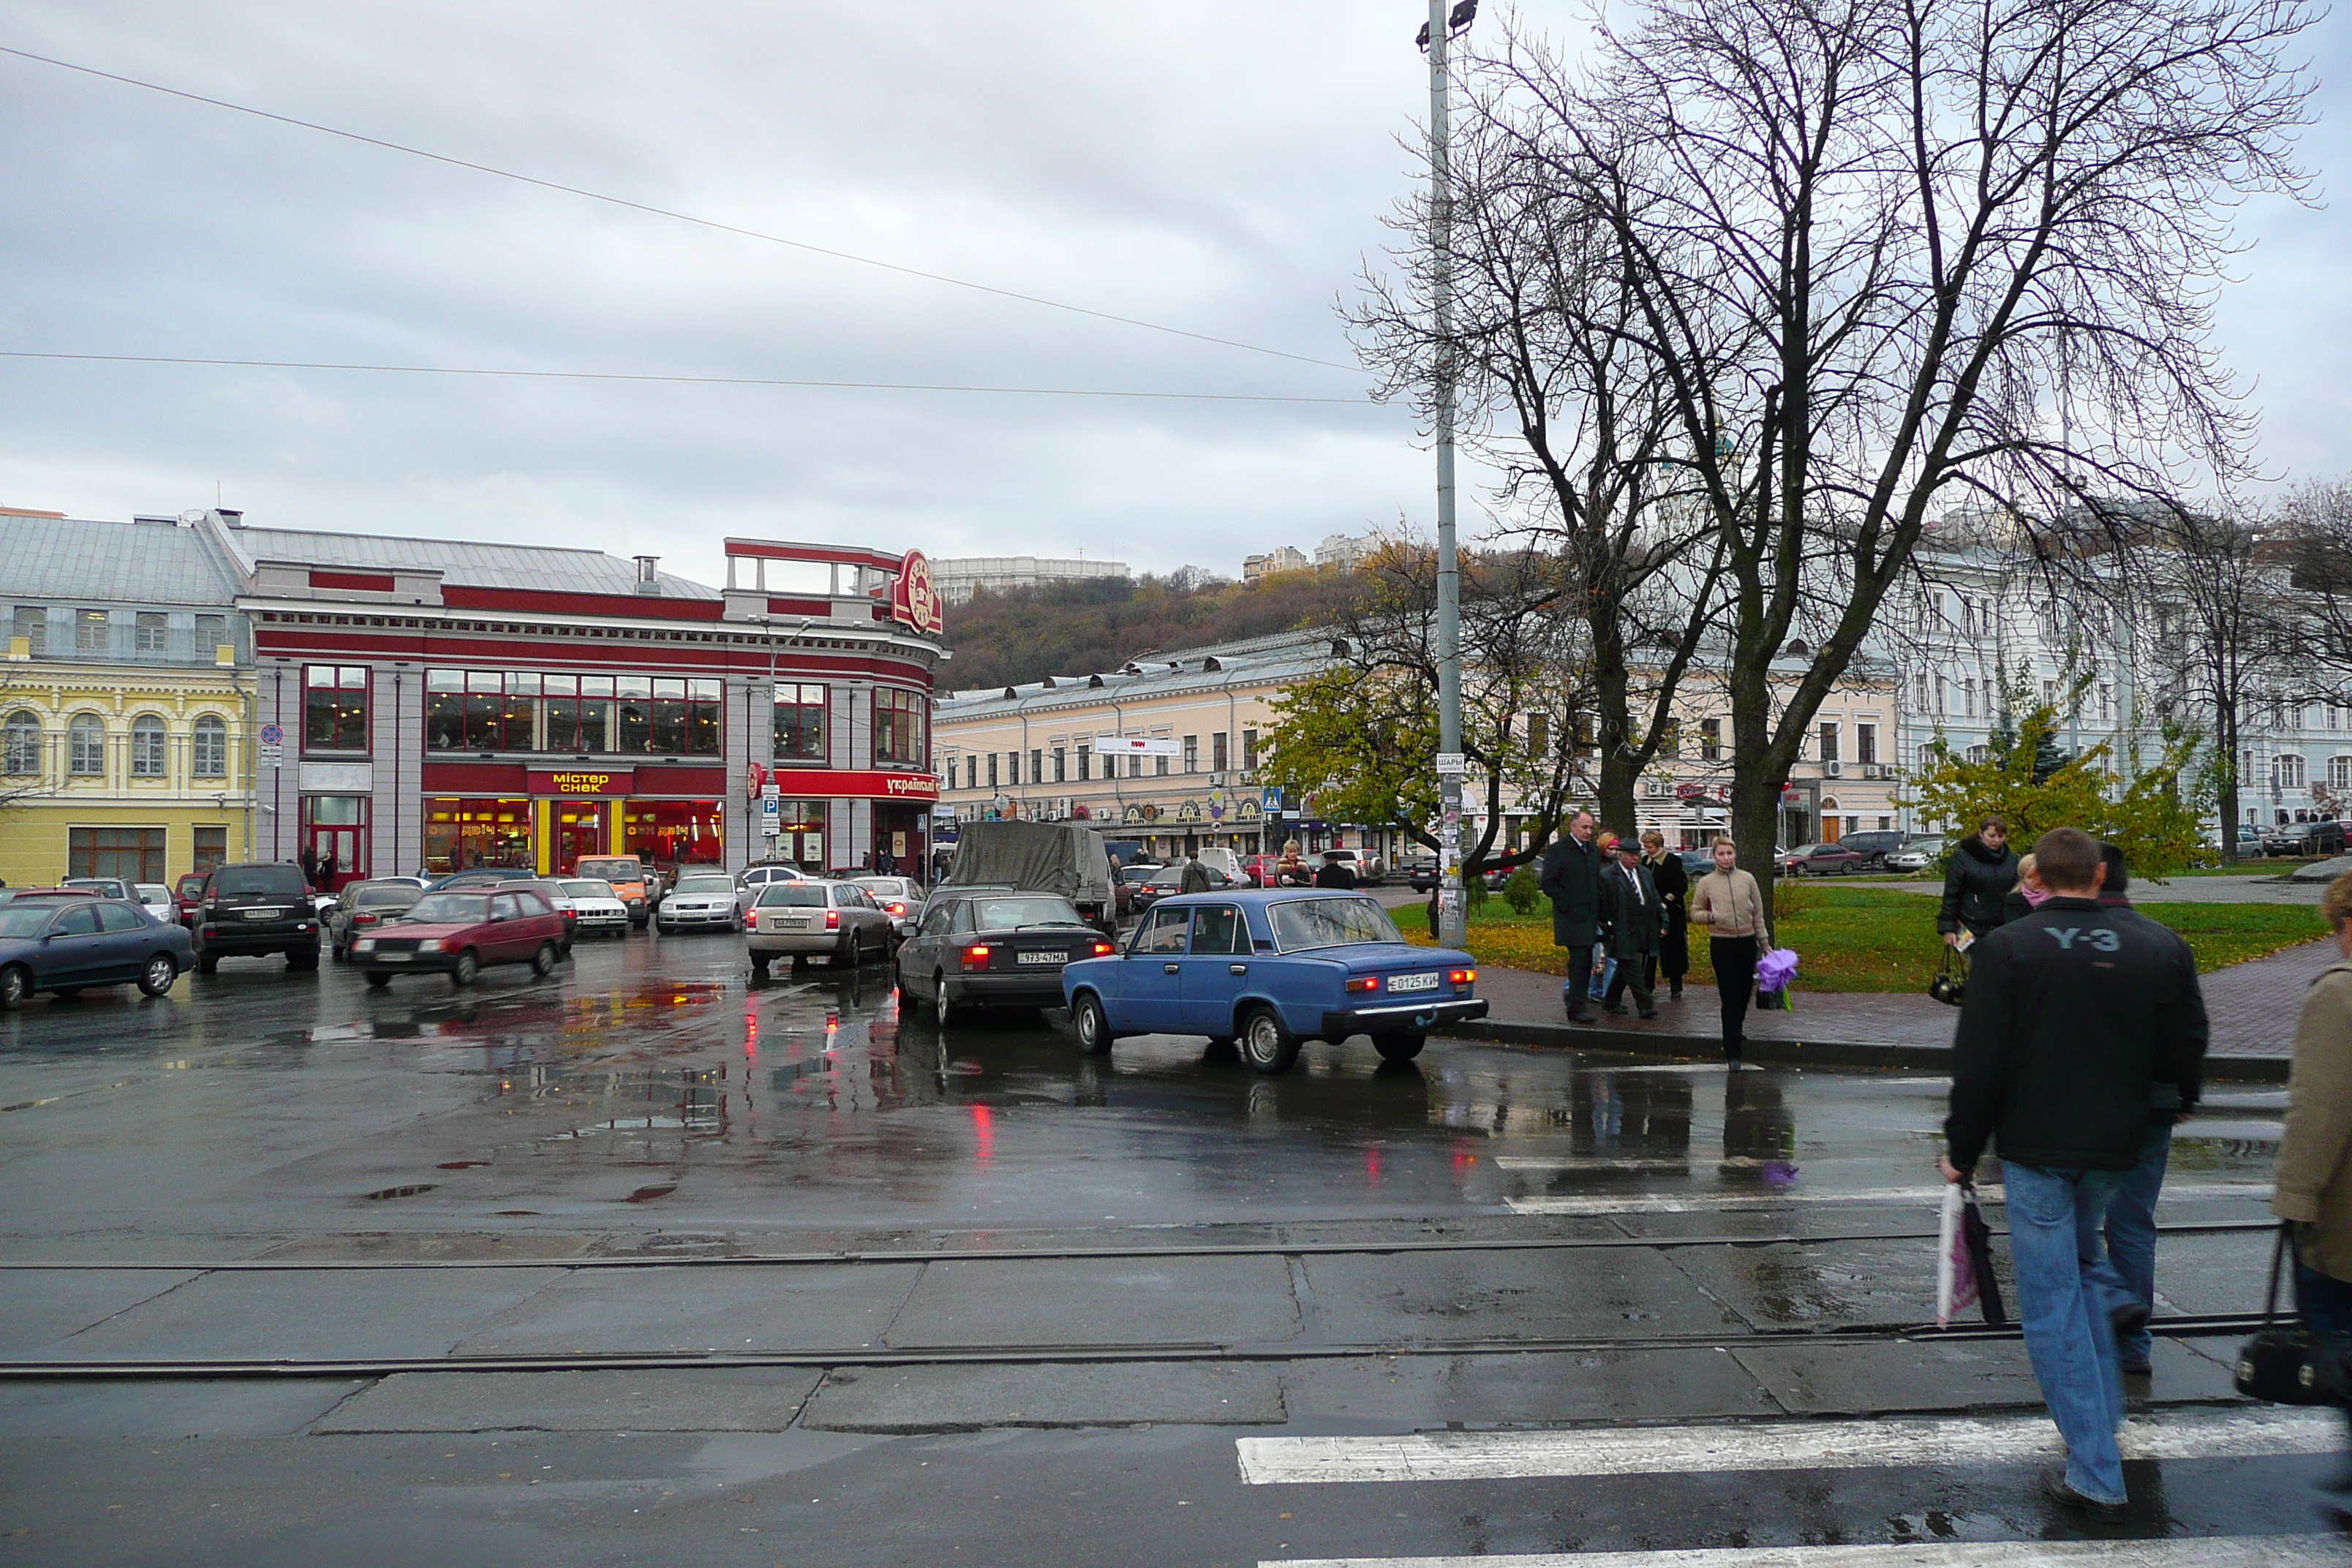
[{"x": 2071, "y": 1014}]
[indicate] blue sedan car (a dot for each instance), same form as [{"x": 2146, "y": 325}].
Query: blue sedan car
[
  {"x": 1271, "y": 969},
  {"x": 63, "y": 945}
]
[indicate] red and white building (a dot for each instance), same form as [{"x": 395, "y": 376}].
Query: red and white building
[{"x": 439, "y": 704}]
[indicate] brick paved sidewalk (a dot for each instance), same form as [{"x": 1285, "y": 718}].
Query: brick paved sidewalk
[{"x": 2253, "y": 1008}]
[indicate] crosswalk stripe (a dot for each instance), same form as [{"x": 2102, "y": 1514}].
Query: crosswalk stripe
[
  {"x": 1766, "y": 1445},
  {"x": 2206, "y": 1552},
  {"x": 1923, "y": 1196}
]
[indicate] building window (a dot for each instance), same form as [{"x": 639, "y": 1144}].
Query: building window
[
  {"x": 2107, "y": 703},
  {"x": 1919, "y": 691},
  {"x": 86, "y": 746},
  {"x": 20, "y": 745},
  {"x": 991, "y": 770},
  {"x": 1943, "y": 696},
  {"x": 152, "y": 632},
  {"x": 2290, "y": 771},
  {"x": 1969, "y": 698},
  {"x": 2339, "y": 772},
  {"x": 579, "y": 711},
  {"x": 1219, "y": 760},
  {"x": 971, "y": 772},
  {"x": 1249, "y": 750},
  {"x": 1061, "y": 764},
  {"x": 147, "y": 747},
  {"x": 208, "y": 759},
  {"x": 800, "y": 712},
  {"x": 1036, "y": 766},
  {"x": 334, "y": 708},
  {"x": 212, "y": 848},
  {"x": 471, "y": 711},
  {"x": 1086, "y": 763},
  {"x": 1710, "y": 740},
  {"x": 1191, "y": 754},
  {"x": 32, "y": 624},
  {"x": 1830, "y": 744},
  {"x": 1884, "y": 823},
  {"x": 1979, "y": 755},
  {"x": 212, "y": 636},
  {"x": 1865, "y": 743},
  {"x": 1011, "y": 769},
  {"x": 901, "y": 721},
  {"x": 134, "y": 854},
  {"x": 90, "y": 631},
  {"x": 1159, "y": 767}
]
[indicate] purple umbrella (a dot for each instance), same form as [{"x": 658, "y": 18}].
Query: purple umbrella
[{"x": 1776, "y": 969}]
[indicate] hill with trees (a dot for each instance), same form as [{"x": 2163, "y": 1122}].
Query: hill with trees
[{"x": 1078, "y": 628}]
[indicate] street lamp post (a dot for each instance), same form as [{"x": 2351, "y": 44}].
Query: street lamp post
[{"x": 1452, "y": 922}]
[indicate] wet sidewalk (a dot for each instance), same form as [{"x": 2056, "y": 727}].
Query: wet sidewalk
[{"x": 2252, "y": 1007}]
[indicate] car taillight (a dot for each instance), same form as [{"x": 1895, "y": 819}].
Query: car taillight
[
  {"x": 976, "y": 957},
  {"x": 1103, "y": 949},
  {"x": 833, "y": 919},
  {"x": 362, "y": 918},
  {"x": 1365, "y": 983},
  {"x": 1461, "y": 976},
  {"x": 895, "y": 908}
]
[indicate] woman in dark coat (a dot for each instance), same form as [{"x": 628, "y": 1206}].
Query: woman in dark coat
[
  {"x": 1673, "y": 880},
  {"x": 1977, "y": 880}
]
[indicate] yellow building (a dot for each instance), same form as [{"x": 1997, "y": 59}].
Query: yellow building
[{"x": 126, "y": 702}]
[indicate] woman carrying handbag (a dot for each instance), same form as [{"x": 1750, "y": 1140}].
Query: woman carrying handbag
[
  {"x": 2314, "y": 1161},
  {"x": 1730, "y": 905}
]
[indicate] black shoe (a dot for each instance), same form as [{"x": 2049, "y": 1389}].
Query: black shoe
[
  {"x": 1614, "y": 1009},
  {"x": 2136, "y": 1368},
  {"x": 2054, "y": 1488},
  {"x": 1675, "y": 995},
  {"x": 1649, "y": 1012},
  {"x": 1578, "y": 1016}
]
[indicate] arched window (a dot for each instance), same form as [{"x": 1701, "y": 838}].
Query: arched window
[
  {"x": 86, "y": 746},
  {"x": 147, "y": 747},
  {"x": 20, "y": 743},
  {"x": 210, "y": 756}
]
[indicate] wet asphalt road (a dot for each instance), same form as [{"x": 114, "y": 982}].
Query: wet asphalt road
[{"x": 1081, "y": 1281}]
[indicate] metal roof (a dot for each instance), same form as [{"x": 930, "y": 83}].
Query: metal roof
[
  {"x": 1281, "y": 658},
  {"x": 545, "y": 568},
  {"x": 92, "y": 562}
]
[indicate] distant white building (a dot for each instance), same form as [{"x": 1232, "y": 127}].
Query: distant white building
[
  {"x": 1344, "y": 552},
  {"x": 957, "y": 580},
  {"x": 1274, "y": 563}
]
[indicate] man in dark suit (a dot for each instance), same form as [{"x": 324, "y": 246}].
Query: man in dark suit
[
  {"x": 1635, "y": 919},
  {"x": 1571, "y": 880}
]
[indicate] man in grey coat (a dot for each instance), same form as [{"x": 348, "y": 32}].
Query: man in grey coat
[{"x": 1571, "y": 880}]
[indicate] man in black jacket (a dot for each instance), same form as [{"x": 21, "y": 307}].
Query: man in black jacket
[
  {"x": 1976, "y": 879},
  {"x": 2072, "y": 1014},
  {"x": 1633, "y": 918},
  {"x": 1571, "y": 880}
]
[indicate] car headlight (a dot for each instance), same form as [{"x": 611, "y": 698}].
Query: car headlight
[{"x": 364, "y": 944}]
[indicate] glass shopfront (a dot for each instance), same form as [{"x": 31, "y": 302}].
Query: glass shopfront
[
  {"x": 673, "y": 831},
  {"x": 461, "y": 833}
]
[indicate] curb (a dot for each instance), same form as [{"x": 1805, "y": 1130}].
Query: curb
[{"x": 1793, "y": 1053}]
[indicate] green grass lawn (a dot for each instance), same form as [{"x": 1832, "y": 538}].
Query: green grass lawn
[{"x": 1865, "y": 938}]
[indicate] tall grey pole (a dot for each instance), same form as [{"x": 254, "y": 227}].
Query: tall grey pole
[{"x": 1452, "y": 923}]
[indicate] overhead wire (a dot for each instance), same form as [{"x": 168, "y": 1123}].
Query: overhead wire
[
  {"x": 670, "y": 212},
  {"x": 681, "y": 380}
]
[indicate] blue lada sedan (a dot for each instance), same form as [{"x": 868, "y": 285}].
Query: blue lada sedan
[{"x": 1271, "y": 969}]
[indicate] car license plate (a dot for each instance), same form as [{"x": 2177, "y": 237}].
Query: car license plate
[
  {"x": 392, "y": 958},
  {"x": 1413, "y": 982},
  {"x": 259, "y": 914},
  {"x": 1045, "y": 958}
]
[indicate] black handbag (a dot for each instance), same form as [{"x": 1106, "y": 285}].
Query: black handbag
[
  {"x": 1952, "y": 982},
  {"x": 2287, "y": 1363}
]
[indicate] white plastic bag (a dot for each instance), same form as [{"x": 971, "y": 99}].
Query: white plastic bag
[{"x": 1955, "y": 1276}]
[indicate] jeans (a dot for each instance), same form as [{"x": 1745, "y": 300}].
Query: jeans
[
  {"x": 2064, "y": 1304},
  {"x": 1735, "y": 978},
  {"x": 1580, "y": 979},
  {"x": 2131, "y": 1233},
  {"x": 1604, "y": 975}
]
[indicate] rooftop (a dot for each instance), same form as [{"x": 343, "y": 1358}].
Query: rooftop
[
  {"x": 154, "y": 563},
  {"x": 543, "y": 568}
]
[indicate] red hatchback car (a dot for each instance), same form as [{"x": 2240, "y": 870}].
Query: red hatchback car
[{"x": 456, "y": 933}]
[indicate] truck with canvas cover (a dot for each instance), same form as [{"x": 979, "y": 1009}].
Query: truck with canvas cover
[{"x": 1059, "y": 858}]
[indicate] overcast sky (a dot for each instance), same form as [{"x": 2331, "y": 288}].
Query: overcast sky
[{"x": 1216, "y": 167}]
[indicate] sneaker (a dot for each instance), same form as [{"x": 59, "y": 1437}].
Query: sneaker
[{"x": 2056, "y": 1488}]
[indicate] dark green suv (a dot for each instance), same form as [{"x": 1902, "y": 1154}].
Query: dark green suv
[{"x": 253, "y": 909}]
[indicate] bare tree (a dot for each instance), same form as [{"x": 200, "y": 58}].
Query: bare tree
[{"x": 1892, "y": 258}]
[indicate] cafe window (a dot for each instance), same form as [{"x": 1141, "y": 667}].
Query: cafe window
[
  {"x": 134, "y": 854},
  {"x": 461, "y": 834},
  {"x": 681, "y": 718},
  {"x": 579, "y": 708},
  {"x": 147, "y": 747},
  {"x": 677, "y": 832},
  {"x": 900, "y": 728},
  {"x": 211, "y": 849},
  {"x": 334, "y": 708},
  {"x": 208, "y": 759},
  {"x": 800, "y": 712}
]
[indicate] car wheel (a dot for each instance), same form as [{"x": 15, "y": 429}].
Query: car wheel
[
  {"x": 1399, "y": 1047},
  {"x": 911, "y": 998},
  {"x": 1092, "y": 1025},
  {"x": 544, "y": 961},
  {"x": 1268, "y": 1044},
  {"x": 157, "y": 977},
  {"x": 16, "y": 986},
  {"x": 942, "y": 1004},
  {"x": 468, "y": 965},
  {"x": 844, "y": 953},
  {"x": 378, "y": 981},
  {"x": 207, "y": 964}
]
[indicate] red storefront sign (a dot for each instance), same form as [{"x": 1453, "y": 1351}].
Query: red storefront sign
[
  {"x": 597, "y": 783},
  {"x": 913, "y": 600},
  {"x": 821, "y": 783}
]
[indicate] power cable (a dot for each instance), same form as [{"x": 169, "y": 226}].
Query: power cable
[
  {"x": 683, "y": 380},
  {"x": 667, "y": 212}
]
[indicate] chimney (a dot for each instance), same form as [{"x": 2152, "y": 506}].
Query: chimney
[
  {"x": 232, "y": 517},
  {"x": 648, "y": 580}
]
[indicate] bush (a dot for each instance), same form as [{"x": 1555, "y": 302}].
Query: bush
[
  {"x": 1523, "y": 891},
  {"x": 1789, "y": 898},
  {"x": 1474, "y": 890}
]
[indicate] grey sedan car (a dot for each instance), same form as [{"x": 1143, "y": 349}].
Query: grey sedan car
[
  {"x": 900, "y": 897},
  {"x": 794, "y": 920},
  {"x": 702, "y": 900}
]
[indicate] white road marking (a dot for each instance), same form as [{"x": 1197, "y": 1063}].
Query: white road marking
[
  {"x": 2208, "y": 1551},
  {"x": 1922, "y": 1195},
  {"x": 1768, "y": 1446}
]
